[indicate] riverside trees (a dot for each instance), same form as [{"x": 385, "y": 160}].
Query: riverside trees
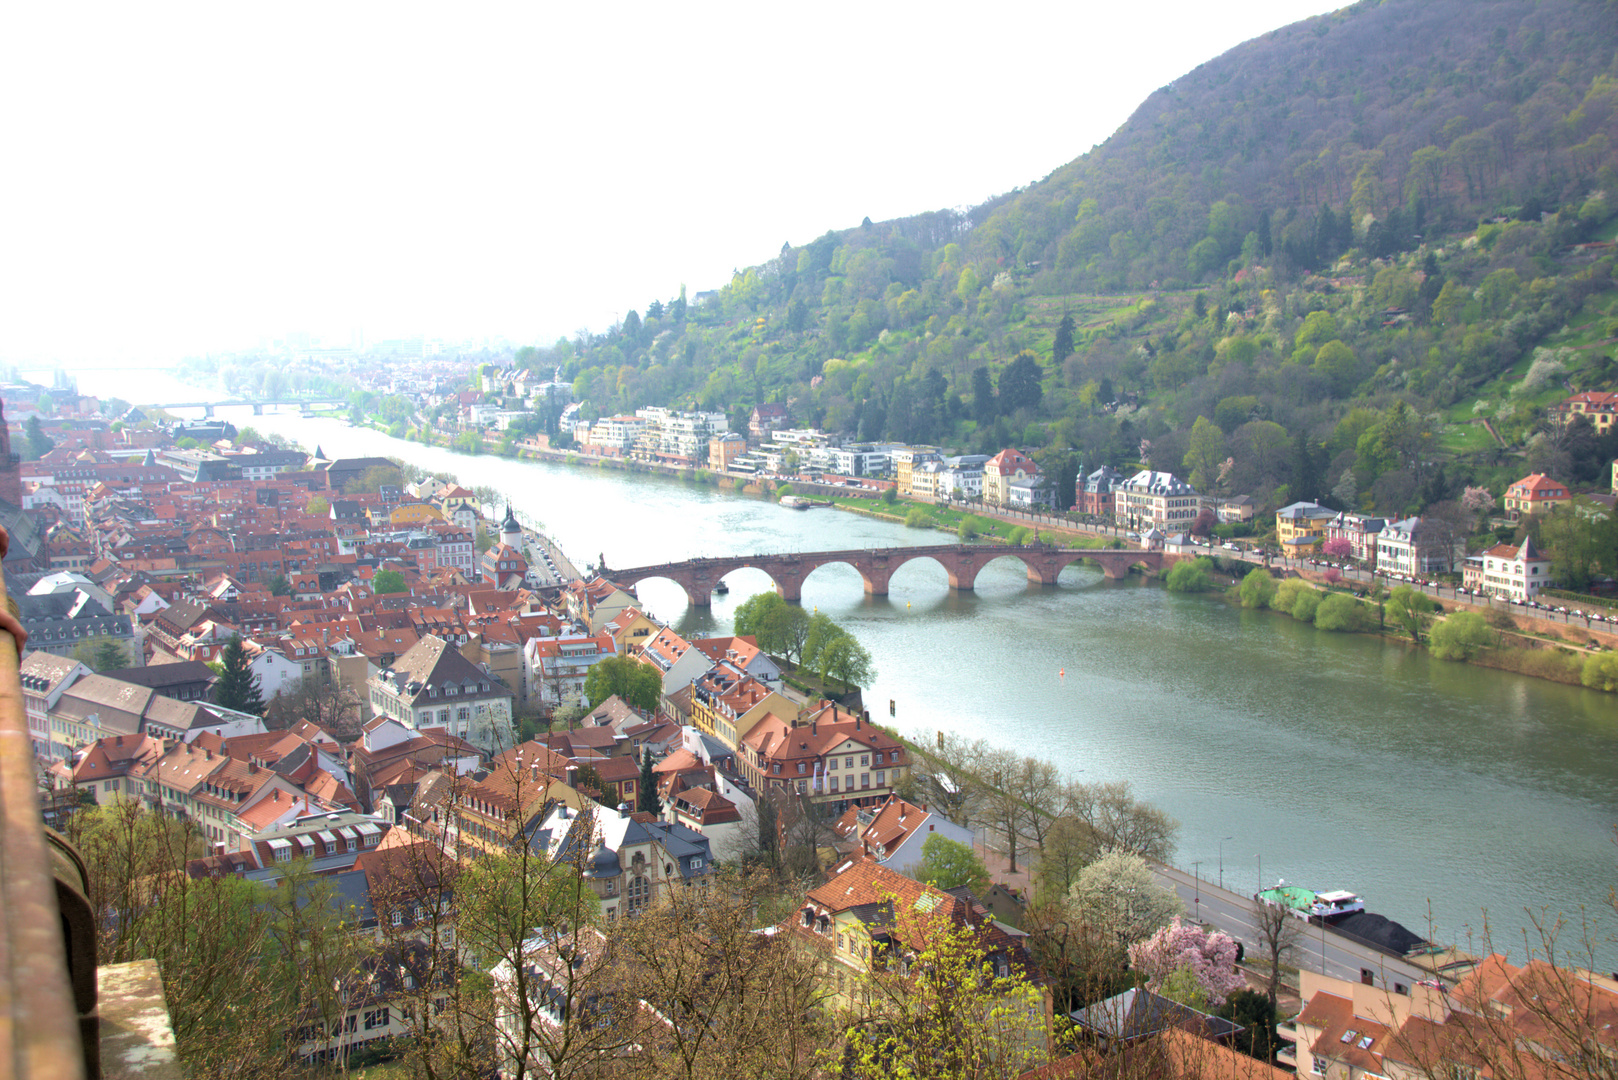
[{"x": 813, "y": 641}]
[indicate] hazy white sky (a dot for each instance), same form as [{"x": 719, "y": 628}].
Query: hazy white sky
[{"x": 188, "y": 178}]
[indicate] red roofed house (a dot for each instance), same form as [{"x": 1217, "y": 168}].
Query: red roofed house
[
  {"x": 766, "y": 418},
  {"x": 106, "y": 766},
  {"x": 1598, "y": 407},
  {"x": 1500, "y": 1020},
  {"x": 832, "y": 755},
  {"x": 867, "y": 910},
  {"x": 999, "y": 472},
  {"x": 894, "y": 837},
  {"x": 1535, "y": 494}
]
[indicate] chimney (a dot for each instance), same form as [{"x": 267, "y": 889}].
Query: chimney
[
  {"x": 533, "y": 773},
  {"x": 814, "y": 726},
  {"x": 572, "y": 775}
]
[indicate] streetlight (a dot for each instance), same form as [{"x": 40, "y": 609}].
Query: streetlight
[
  {"x": 1222, "y": 840},
  {"x": 1197, "y": 866},
  {"x": 1260, "y": 858}
]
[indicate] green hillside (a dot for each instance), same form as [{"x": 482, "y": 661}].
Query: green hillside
[{"x": 1368, "y": 222}]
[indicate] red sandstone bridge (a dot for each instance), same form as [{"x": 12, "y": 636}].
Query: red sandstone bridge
[{"x": 876, "y": 565}]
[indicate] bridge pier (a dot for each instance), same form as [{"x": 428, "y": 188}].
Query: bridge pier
[
  {"x": 258, "y": 408},
  {"x": 876, "y": 580},
  {"x": 207, "y": 411},
  {"x": 789, "y": 586}
]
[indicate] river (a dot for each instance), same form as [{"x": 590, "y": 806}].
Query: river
[{"x": 1438, "y": 791}]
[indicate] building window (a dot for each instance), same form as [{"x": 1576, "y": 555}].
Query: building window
[
  {"x": 377, "y": 1018},
  {"x": 637, "y": 894},
  {"x": 880, "y": 778},
  {"x": 1319, "y": 1065},
  {"x": 802, "y": 768}
]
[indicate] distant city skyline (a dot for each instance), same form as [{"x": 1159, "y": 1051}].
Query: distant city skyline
[{"x": 197, "y": 179}]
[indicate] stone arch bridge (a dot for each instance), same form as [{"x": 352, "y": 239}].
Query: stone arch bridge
[{"x": 961, "y": 562}]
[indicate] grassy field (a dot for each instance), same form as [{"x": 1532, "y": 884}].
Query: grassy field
[{"x": 1465, "y": 438}]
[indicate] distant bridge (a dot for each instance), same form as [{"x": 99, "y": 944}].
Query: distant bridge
[
  {"x": 962, "y": 562},
  {"x": 208, "y": 407}
]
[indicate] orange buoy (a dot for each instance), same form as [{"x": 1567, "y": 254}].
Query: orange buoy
[{"x": 1063, "y": 673}]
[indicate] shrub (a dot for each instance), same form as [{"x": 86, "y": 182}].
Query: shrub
[
  {"x": 1600, "y": 671},
  {"x": 1189, "y": 577},
  {"x": 969, "y": 528},
  {"x": 917, "y": 518},
  {"x": 890, "y": 495},
  {"x": 1286, "y": 594},
  {"x": 1341, "y": 613},
  {"x": 1019, "y": 535},
  {"x": 1306, "y": 604},
  {"x": 1460, "y": 636},
  {"x": 1258, "y": 588}
]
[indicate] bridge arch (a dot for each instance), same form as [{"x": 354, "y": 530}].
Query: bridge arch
[{"x": 698, "y": 581}]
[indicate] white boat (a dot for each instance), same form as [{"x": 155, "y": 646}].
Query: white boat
[
  {"x": 795, "y": 502},
  {"x": 1329, "y": 905}
]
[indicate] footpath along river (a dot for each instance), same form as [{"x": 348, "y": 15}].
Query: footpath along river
[{"x": 1340, "y": 761}]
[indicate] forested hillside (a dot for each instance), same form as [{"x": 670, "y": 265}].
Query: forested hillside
[{"x": 1357, "y": 248}]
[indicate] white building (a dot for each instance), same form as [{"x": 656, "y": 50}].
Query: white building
[
  {"x": 1402, "y": 549},
  {"x": 616, "y": 432},
  {"x": 680, "y": 435},
  {"x": 1515, "y": 573},
  {"x": 558, "y": 666},
  {"x": 859, "y": 460},
  {"x": 1156, "y": 498}
]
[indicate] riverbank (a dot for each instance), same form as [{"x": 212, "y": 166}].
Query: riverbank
[
  {"x": 1521, "y": 652},
  {"x": 1551, "y": 652}
]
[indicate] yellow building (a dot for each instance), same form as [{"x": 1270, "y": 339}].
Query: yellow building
[
  {"x": 630, "y": 627},
  {"x": 415, "y": 514},
  {"x": 728, "y": 708},
  {"x": 1301, "y": 528},
  {"x": 905, "y": 462}
]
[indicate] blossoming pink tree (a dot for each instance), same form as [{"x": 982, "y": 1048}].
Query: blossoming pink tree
[
  {"x": 1338, "y": 547},
  {"x": 1478, "y": 500},
  {"x": 1209, "y": 958}
]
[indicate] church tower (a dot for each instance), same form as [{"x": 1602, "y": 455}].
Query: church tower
[{"x": 510, "y": 531}]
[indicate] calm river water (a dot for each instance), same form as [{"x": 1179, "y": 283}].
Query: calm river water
[{"x": 1438, "y": 791}]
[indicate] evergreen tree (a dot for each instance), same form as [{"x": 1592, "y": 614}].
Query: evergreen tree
[
  {"x": 1062, "y": 348},
  {"x": 1019, "y": 383},
  {"x": 39, "y": 444},
  {"x": 983, "y": 405},
  {"x": 648, "y": 800},
  {"x": 237, "y": 687},
  {"x": 769, "y": 847}
]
